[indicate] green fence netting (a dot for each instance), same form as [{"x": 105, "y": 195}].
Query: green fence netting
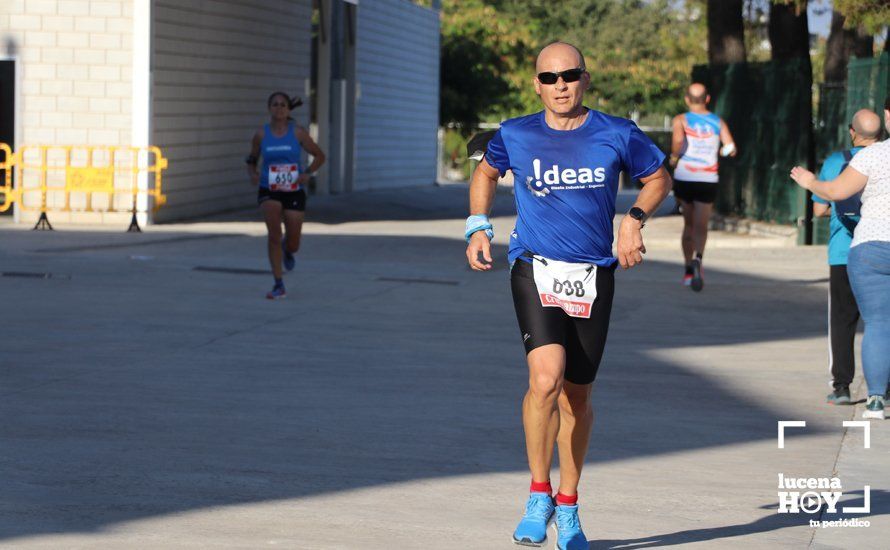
[
  {"x": 768, "y": 107},
  {"x": 868, "y": 83},
  {"x": 831, "y": 119}
]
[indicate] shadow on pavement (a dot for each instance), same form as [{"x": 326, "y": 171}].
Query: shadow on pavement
[
  {"x": 155, "y": 389},
  {"x": 880, "y": 505}
]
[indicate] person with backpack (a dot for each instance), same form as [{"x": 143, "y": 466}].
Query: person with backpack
[
  {"x": 869, "y": 258},
  {"x": 843, "y": 313}
]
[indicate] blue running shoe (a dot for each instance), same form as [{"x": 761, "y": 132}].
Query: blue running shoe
[
  {"x": 289, "y": 261},
  {"x": 532, "y": 528},
  {"x": 569, "y": 535},
  {"x": 276, "y": 293}
]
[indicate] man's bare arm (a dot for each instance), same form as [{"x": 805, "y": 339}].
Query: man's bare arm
[
  {"x": 252, "y": 171},
  {"x": 655, "y": 189},
  {"x": 630, "y": 246},
  {"x": 482, "y": 190},
  {"x": 726, "y": 138},
  {"x": 678, "y": 140}
]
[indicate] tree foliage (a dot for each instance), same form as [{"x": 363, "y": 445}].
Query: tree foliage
[
  {"x": 639, "y": 53},
  {"x": 481, "y": 55},
  {"x": 871, "y": 14}
]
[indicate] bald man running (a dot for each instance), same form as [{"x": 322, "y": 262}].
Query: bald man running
[
  {"x": 843, "y": 312},
  {"x": 565, "y": 161},
  {"x": 697, "y": 135}
]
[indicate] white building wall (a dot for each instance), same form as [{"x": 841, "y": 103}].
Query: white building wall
[
  {"x": 208, "y": 68},
  {"x": 397, "y": 114},
  {"x": 76, "y": 66},
  {"x": 74, "y": 58},
  {"x": 214, "y": 63}
]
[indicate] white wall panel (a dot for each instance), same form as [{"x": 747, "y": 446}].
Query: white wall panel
[
  {"x": 214, "y": 63},
  {"x": 397, "y": 114}
]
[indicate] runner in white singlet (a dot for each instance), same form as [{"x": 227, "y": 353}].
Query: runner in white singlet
[{"x": 695, "y": 147}]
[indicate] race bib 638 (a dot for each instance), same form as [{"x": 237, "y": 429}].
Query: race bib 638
[{"x": 565, "y": 285}]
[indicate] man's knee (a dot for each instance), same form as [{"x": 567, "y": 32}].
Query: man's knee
[
  {"x": 544, "y": 385},
  {"x": 275, "y": 237}
]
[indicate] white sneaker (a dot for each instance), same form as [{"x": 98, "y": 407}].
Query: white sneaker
[{"x": 874, "y": 407}]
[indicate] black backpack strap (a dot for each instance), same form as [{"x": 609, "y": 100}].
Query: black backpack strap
[{"x": 848, "y": 156}]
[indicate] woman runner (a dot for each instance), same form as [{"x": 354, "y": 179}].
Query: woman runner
[{"x": 282, "y": 182}]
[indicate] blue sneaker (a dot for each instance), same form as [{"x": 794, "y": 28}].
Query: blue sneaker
[
  {"x": 532, "y": 528},
  {"x": 276, "y": 293},
  {"x": 288, "y": 258},
  {"x": 569, "y": 535}
]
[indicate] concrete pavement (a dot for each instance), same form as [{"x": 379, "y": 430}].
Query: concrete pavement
[{"x": 151, "y": 398}]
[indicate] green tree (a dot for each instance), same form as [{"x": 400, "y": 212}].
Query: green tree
[
  {"x": 481, "y": 52},
  {"x": 842, "y": 43},
  {"x": 871, "y": 14},
  {"x": 639, "y": 53}
]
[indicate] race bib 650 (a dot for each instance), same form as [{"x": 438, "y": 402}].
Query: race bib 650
[{"x": 283, "y": 177}]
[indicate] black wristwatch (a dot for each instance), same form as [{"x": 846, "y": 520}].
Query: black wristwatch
[{"x": 638, "y": 214}]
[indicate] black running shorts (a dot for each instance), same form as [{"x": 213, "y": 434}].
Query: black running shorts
[
  {"x": 583, "y": 339},
  {"x": 293, "y": 200},
  {"x": 695, "y": 191}
]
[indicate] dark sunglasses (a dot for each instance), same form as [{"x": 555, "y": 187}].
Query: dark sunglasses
[{"x": 571, "y": 75}]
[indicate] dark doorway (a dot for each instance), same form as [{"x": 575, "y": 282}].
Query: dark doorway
[{"x": 7, "y": 110}]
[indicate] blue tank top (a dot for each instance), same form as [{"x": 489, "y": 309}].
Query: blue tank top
[{"x": 281, "y": 160}]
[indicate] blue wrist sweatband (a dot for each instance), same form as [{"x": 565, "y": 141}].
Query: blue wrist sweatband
[{"x": 478, "y": 222}]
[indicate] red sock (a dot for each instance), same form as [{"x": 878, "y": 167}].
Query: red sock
[
  {"x": 566, "y": 500},
  {"x": 541, "y": 487}
]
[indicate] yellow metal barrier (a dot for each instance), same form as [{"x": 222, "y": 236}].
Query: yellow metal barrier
[
  {"x": 85, "y": 179},
  {"x": 6, "y": 169}
]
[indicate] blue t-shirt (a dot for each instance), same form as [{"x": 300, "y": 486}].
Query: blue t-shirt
[
  {"x": 840, "y": 237},
  {"x": 566, "y": 181}
]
